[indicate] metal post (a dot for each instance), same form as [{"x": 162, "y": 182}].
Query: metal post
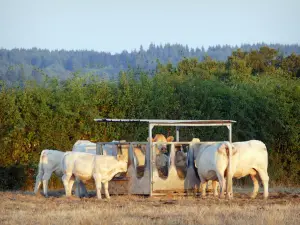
[
  {"x": 98, "y": 148},
  {"x": 230, "y": 133},
  {"x": 177, "y": 134},
  {"x": 150, "y": 160}
]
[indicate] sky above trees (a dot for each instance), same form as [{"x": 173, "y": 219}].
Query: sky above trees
[{"x": 114, "y": 26}]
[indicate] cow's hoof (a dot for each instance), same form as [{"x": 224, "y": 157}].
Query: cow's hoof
[{"x": 253, "y": 196}]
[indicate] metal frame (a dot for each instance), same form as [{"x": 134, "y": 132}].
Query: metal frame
[{"x": 177, "y": 123}]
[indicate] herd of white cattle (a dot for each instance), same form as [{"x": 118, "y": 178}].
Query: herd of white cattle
[{"x": 218, "y": 162}]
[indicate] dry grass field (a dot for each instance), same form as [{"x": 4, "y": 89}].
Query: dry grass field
[{"x": 283, "y": 207}]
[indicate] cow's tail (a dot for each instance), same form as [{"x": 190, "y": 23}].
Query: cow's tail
[
  {"x": 229, "y": 174},
  {"x": 40, "y": 173},
  {"x": 62, "y": 163}
]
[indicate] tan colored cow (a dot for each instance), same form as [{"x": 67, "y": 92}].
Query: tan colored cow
[
  {"x": 162, "y": 159},
  {"x": 84, "y": 166}
]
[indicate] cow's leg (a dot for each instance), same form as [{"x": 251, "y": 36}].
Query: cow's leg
[
  {"x": 255, "y": 185},
  {"x": 209, "y": 186},
  {"x": 65, "y": 179},
  {"x": 70, "y": 185},
  {"x": 46, "y": 178},
  {"x": 215, "y": 187},
  {"x": 222, "y": 185},
  {"x": 203, "y": 186},
  {"x": 106, "y": 190},
  {"x": 265, "y": 180},
  {"x": 98, "y": 185},
  {"x": 38, "y": 182}
]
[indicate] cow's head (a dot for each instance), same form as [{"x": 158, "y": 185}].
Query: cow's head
[{"x": 162, "y": 147}]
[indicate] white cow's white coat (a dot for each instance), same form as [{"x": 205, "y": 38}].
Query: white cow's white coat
[
  {"x": 84, "y": 166},
  {"x": 251, "y": 159},
  {"x": 212, "y": 162},
  {"x": 50, "y": 161}
]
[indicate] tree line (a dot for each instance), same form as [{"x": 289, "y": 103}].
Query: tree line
[
  {"x": 27, "y": 64},
  {"x": 259, "y": 89}
]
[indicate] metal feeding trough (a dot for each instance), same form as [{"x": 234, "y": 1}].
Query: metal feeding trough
[{"x": 143, "y": 177}]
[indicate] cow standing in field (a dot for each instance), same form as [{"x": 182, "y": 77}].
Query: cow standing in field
[
  {"x": 251, "y": 159},
  {"x": 108, "y": 149},
  {"x": 212, "y": 163},
  {"x": 111, "y": 149},
  {"x": 211, "y": 185},
  {"x": 50, "y": 161},
  {"x": 84, "y": 166}
]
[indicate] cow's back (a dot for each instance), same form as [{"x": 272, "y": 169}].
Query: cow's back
[
  {"x": 201, "y": 146},
  {"x": 206, "y": 160},
  {"x": 51, "y": 160},
  {"x": 250, "y": 154},
  {"x": 84, "y": 146},
  {"x": 80, "y": 164}
]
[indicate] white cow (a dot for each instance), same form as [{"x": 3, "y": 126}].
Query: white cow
[
  {"x": 84, "y": 166},
  {"x": 212, "y": 162},
  {"x": 251, "y": 159},
  {"x": 211, "y": 185},
  {"x": 50, "y": 161},
  {"x": 110, "y": 149}
]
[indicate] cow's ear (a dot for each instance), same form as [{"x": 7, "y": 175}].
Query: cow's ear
[{"x": 170, "y": 139}]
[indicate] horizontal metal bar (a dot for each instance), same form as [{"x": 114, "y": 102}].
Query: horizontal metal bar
[
  {"x": 123, "y": 143},
  {"x": 190, "y": 125},
  {"x": 168, "y": 122},
  {"x": 160, "y": 142}
]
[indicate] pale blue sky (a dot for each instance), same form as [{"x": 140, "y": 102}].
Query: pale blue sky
[{"x": 117, "y": 25}]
